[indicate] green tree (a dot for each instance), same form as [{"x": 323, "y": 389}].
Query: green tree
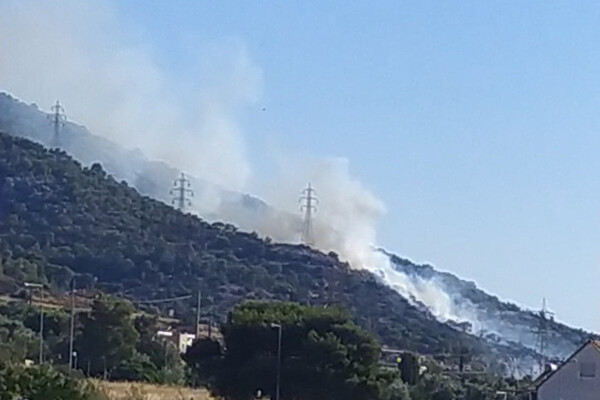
[
  {"x": 323, "y": 355},
  {"x": 42, "y": 383},
  {"x": 147, "y": 326},
  {"x": 108, "y": 336},
  {"x": 409, "y": 368},
  {"x": 138, "y": 367},
  {"x": 17, "y": 342},
  {"x": 399, "y": 391},
  {"x": 157, "y": 360}
]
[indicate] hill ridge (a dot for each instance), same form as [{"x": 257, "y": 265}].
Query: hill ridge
[{"x": 60, "y": 219}]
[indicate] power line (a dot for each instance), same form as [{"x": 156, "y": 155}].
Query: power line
[
  {"x": 57, "y": 119},
  {"x": 181, "y": 190},
  {"x": 188, "y": 296},
  {"x": 309, "y": 202}
]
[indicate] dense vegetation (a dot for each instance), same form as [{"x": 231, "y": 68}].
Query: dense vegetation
[
  {"x": 324, "y": 355},
  {"x": 508, "y": 321},
  {"x": 43, "y": 383},
  {"x": 59, "y": 220},
  {"x": 110, "y": 341}
]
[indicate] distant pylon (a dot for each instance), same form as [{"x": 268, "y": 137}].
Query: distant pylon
[
  {"x": 181, "y": 190},
  {"x": 545, "y": 316},
  {"x": 57, "y": 119},
  {"x": 309, "y": 202}
]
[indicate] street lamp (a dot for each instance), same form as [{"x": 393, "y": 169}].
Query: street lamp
[
  {"x": 41, "y": 287},
  {"x": 72, "y": 353},
  {"x": 278, "y": 327}
]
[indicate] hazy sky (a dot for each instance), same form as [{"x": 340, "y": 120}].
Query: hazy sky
[{"x": 476, "y": 123}]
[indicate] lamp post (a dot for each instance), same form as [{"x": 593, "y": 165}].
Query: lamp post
[
  {"x": 278, "y": 327},
  {"x": 72, "y": 327},
  {"x": 41, "y": 287},
  {"x": 74, "y": 355}
]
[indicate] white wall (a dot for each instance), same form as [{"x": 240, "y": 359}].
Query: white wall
[
  {"x": 185, "y": 341},
  {"x": 567, "y": 384}
]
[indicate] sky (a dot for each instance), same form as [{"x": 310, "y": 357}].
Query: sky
[{"x": 476, "y": 124}]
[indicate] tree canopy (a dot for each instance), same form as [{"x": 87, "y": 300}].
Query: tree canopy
[
  {"x": 108, "y": 335},
  {"x": 60, "y": 219},
  {"x": 42, "y": 383},
  {"x": 324, "y": 354}
]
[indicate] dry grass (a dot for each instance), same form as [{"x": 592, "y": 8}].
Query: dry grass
[{"x": 145, "y": 391}]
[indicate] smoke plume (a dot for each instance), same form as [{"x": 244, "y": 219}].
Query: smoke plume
[{"x": 110, "y": 80}]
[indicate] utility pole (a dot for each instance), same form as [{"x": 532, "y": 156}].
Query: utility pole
[
  {"x": 72, "y": 328},
  {"x": 57, "y": 118},
  {"x": 309, "y": 202},
  {"x": 198, "y": 314},
  {"x": 181, "y": 190},
  {"x": 278, "y": 327},
  {"x": 41, "y": 287}
]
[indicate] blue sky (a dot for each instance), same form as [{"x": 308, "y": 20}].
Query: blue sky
[{"x": 476, "y": 123}]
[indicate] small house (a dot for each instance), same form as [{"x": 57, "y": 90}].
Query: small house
[{"x": 578, "y": 378}]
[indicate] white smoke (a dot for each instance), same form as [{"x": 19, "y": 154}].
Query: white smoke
[
  {"x": 111, "y": 81},
  {"x": 346, "y": 223},
  {"x": 427, "y": 292},
  {"x": 83, "y": 54}
]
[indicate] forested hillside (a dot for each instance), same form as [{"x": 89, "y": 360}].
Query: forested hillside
[
  {"x": 497, "y": 320},
  {"x": 149, "y": 177},
  {"x": 490, "y": 318},
  {"x": 58, "y": 219}
]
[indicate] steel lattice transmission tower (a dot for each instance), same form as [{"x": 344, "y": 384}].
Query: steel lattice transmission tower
[
  {"x": 57, "y": 119},
  {"x": 181, "y": 192},
  {"x": 545, "y": 316},
  {"x": 309, "y": 202}
]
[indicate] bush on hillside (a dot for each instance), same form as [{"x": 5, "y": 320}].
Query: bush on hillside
[{"x": 43, "y": 383}]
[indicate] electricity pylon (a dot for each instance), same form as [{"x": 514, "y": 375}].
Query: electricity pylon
[
  {"x": 181, "y": 190},
  {"x": 309, "y": 202},
  {"x": 57, "y": 119},
  {"x": 545, "y": 316}
]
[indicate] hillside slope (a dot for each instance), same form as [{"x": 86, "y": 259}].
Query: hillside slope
[
  {"x": 149, "y": 177},
  {"x": 489, "y": 317},
  {"x": 58, "y": 219},
  {"x": 493, "y": 319}
]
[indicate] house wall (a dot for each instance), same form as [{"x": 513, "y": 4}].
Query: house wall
[
  {"x": 185, "y": 341},
  {"x": 567, "y": 384}
]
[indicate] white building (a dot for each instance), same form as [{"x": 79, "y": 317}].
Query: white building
[
  {"x": 182, "y": 340},
  {"x": 185, "y": 341},
  {"x": 578, "y": 378}
]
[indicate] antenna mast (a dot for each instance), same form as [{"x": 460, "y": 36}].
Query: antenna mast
[
  {"x": 309, "y": 202},
  {"x": 57, "y": 119},
  {"x": 181, "y": 190}
]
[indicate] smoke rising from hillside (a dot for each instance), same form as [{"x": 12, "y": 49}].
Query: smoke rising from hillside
[
  {"x": 346, "y": 223},
  {"x": 109, "y": 80}
]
